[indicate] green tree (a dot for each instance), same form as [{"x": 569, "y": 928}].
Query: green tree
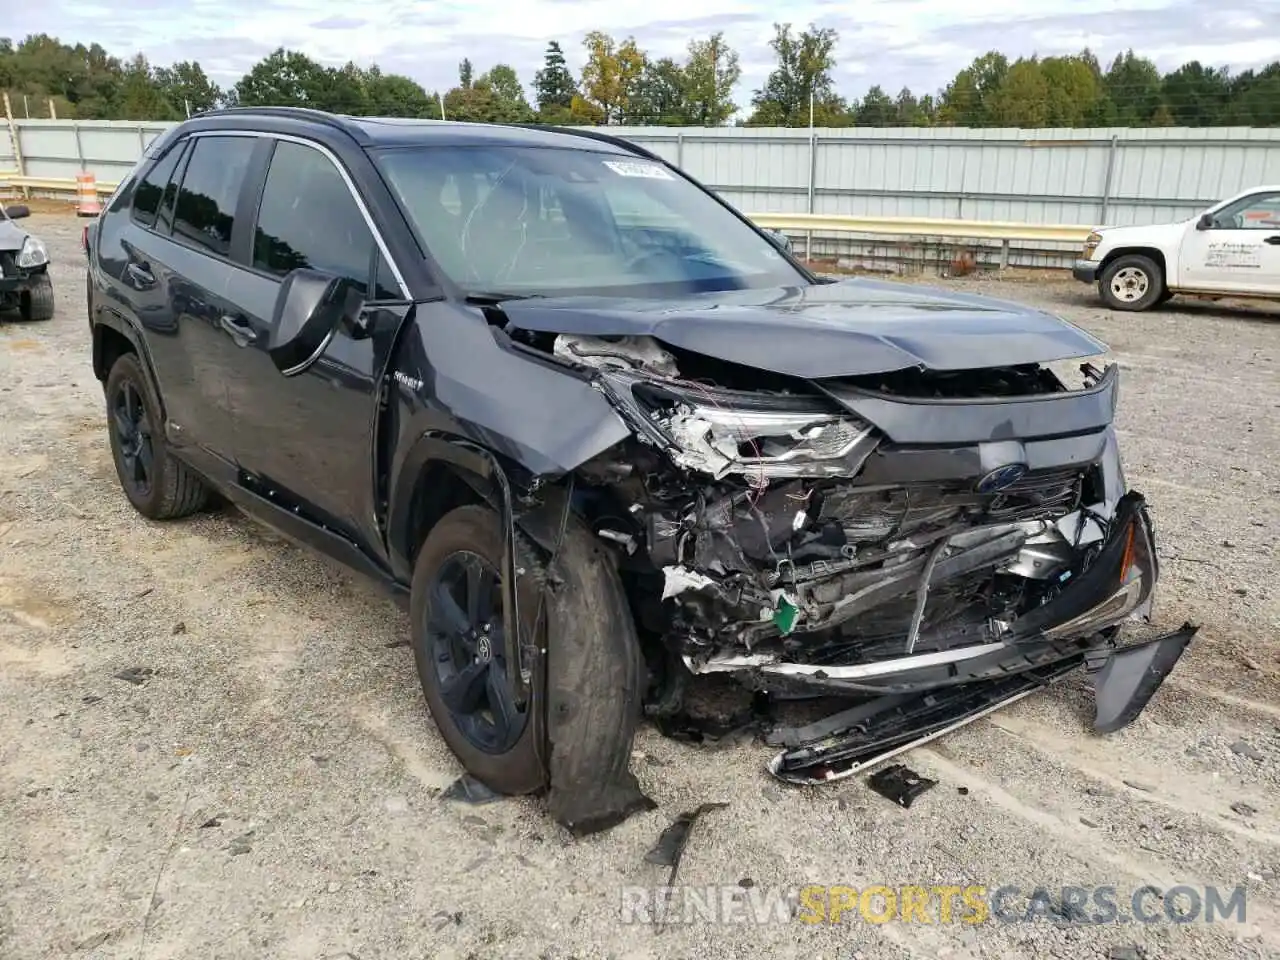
[
  {"x": 912, "y": 112},
  {"x": 1255, "y": 97},
  {"x": 140, "y": 96},
  {"x": 1197, "y": 96},
  {"x": 967, "y": 100},
  {"x": 393, "y": 95},
  {"x": 554, "y": 87},
  {"x": 877, "y": 109},
  {"x": 612, "y": 74},
  {"x": 465, "y": 73},
  {"x": 710, "y": 73},
  {"x": 1133, "y": 86},
  {"x": 805, "y": 62},
  {"x": 283, "y": 78},
  {"x": 659, "y": 96},
  {"x": 185, "y": 86}
]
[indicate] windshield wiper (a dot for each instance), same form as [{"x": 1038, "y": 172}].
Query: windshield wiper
[{"x": 488, "y": 297}]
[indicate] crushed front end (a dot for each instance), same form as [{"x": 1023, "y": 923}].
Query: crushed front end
[{"x": 881, "y": 537}]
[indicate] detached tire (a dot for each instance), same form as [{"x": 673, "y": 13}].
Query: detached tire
[
  {"x": 1132, "y": 282},
  {"x": 459, "y": 635},
  {"x": 37, "y": 303},
  {"x": 159, "y": 486}
]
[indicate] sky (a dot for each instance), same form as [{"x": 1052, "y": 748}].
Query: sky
[{"x": 893, "y": 43}]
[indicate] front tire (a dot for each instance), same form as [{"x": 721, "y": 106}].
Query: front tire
[
  {"x": 1132, "y": 282},
  {"x": 159, "y": 486},
  {"x": 459, "y": 635},
  {"x": 37, "y": 302}
]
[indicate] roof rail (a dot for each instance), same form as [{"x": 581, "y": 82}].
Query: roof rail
[
  {"x": 334, "y": 120},
  {"x": 592, "y": 134}
]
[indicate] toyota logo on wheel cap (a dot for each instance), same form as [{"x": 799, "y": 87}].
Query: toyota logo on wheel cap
[{"x": 1001, "y": 478}]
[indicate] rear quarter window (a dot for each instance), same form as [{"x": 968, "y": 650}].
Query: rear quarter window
[{"x": 151, "y": 188}]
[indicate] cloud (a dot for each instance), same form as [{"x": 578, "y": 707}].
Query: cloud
[
  {"x": 337, "y": 23},
  {"x": 893, "y": 43}
]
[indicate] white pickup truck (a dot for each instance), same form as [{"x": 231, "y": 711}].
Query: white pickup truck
[{"x": 1230, "y": 250}]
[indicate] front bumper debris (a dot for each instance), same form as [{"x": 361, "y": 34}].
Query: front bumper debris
[
  {"x": 1086, "y": 271},
  {"x": 1117, "y": 586},
  {"x": 868, "y": 734},
  {"x": 1076, "y": 628},
  {"x": 1131, "y": 675}
]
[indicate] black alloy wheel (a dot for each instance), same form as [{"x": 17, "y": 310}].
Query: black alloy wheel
[
  {"x": 133, "y": 434},
  {"x": 467, "y": 643}
]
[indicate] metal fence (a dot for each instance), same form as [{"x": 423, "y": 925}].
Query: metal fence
[{"x": 1078, "y": 176}]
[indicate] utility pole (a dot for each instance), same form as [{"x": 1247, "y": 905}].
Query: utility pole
[
  {"x": 810, "y": 107},
  {"x": 441, "y": 99}
]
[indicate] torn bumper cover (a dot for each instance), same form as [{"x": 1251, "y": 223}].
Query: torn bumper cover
[{"x": 879, "y": 729}]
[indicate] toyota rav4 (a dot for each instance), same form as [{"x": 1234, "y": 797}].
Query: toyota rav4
[{"x": 603, "y": 436}]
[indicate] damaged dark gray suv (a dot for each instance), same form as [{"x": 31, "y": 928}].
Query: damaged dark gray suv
[{"x": 604, "y": 436}]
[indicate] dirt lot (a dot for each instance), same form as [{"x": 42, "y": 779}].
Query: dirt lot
[{"x": 272, "y": 789}]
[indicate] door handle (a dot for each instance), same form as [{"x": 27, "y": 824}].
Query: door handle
[
  {"x": 1274, "y": 240},
  {"x": 141, "y": 274},
  {"x": 241, "y": 332}
]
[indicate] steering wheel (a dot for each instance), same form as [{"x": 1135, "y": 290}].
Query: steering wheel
[{"x": 653, "y": 254}]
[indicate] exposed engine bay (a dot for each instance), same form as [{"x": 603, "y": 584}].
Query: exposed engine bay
[{"x": 756, "y": 539}]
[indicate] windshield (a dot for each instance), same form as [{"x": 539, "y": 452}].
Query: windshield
[{"x": 529, "y": 221}]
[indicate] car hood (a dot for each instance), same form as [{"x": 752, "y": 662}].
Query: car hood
[
  {"x": 849, "y": 328},
  {"x": 1142, "y": 233},
  {"x": 11, "y": 236}
]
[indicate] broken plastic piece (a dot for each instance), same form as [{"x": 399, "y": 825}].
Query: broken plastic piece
[
  {"x": 470, "y": 790},
  {"x": 784, "y": 617},
  {"x": 670, "y": 846},
  {"x": 677, "y": 580},
  {"x": 1131, "y": 676},
  {"x": 899, "y": 784}
]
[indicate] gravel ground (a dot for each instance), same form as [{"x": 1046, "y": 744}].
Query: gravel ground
[{"x": 272, "y": 789}]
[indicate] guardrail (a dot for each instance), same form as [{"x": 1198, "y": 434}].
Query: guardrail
[
  {"x": 921, "y": 226},
  {"x": 806, "y": 224},
  {"x": 51, "y": 184}
]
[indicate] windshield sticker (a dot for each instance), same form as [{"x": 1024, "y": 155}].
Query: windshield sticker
[
  {"x": 1229, "y": 256},
  {"x": 631, "y": 168}
]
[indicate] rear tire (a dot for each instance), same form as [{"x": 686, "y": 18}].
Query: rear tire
[
  {"x": 37, "y": 302},
  {"x": 1131, "y": 282},
  {"x": 458, "y": 629},
  {"x": 159, "y": 486}
]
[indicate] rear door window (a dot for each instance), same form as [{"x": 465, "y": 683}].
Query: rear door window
[
  {"x": 206, "y": 205},
  {"x": 309, "y": 218}
]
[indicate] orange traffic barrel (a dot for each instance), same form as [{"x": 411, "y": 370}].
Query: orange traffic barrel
[{"x": 87, "y": 203}]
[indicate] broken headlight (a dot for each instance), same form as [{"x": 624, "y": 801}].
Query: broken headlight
[
  {"x": 32, "y": 254},
  {"x": 723, "y": 440},
  {"x": 769, "y": 436}
]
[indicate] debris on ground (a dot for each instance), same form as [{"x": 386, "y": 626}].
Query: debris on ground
[
  {"x": 670, "y": 846},
  {"x": 899, "y": 784},
  {"x": 470, "y": 790},
  {"x": 134, "y": 675},
  {"x": 1242, "y": 748}
]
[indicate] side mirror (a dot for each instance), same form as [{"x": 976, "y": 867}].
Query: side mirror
[
  {"x": 1205, "y": 222},
  {"x": 780, "y": 239},
  {"x": 309, "y": 308},
  {"x": 17, "y": 211}
]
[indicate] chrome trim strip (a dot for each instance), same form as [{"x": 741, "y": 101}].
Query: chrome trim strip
[
  {"x": 767, "y": 664},
  {"x": 324, "y": 345}
]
